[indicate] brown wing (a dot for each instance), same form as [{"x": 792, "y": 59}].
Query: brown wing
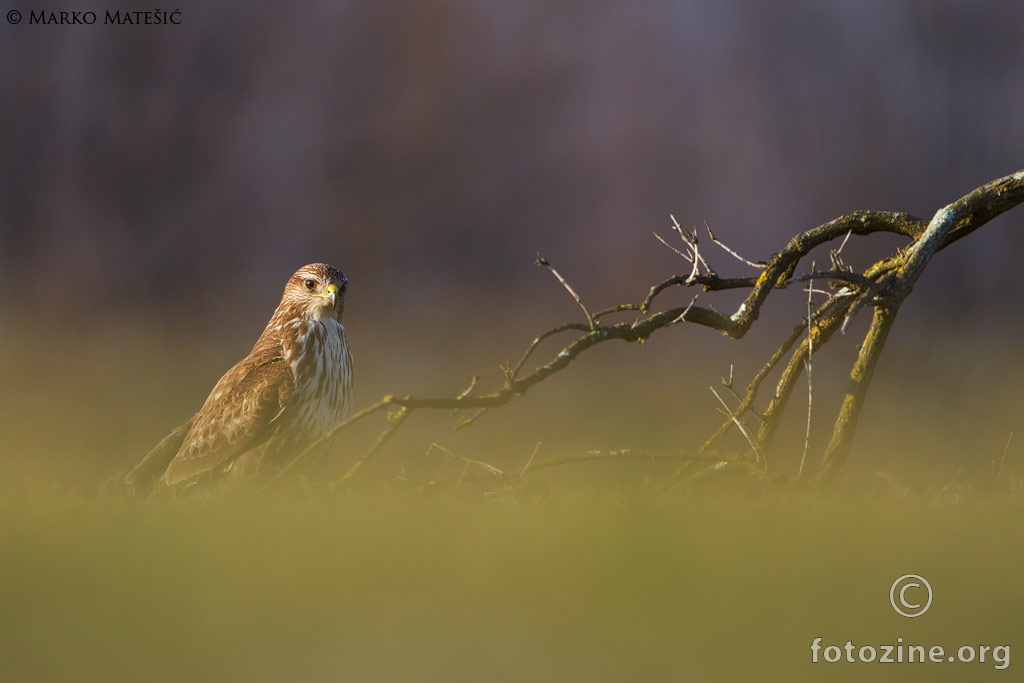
[
  {"x": 244, "y": 409},
  {"x": 144, "y": 476}
]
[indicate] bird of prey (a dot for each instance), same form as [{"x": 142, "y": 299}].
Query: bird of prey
[{"x": 294, "y": 385}]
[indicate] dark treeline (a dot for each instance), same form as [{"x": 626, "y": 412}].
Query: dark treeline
[{"x": 431, "y": 146}]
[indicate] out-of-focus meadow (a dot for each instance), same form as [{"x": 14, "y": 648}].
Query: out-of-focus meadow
[
  {"x": 583, "y": 588},
  {"x": 160, "y": 183}
]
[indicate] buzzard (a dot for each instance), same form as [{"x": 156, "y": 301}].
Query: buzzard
[{"x": 294, "y": 385}]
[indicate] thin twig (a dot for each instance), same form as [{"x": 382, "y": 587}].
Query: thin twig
[
  {"x": 843, "y": 244},
  {"x": 394, "y": 422},
  {"x": 468, "y": 390},
  {"x": 487, "y": 467},
  {"x": 689, "y": 239},
  {"x": 678, "y": 253},
  {"x": 681, "y": 318},
  {"x": 529, "y": 462},
  {"x": 866, "y": 298},
  {"x": 621, "y": 308},
  {"x": 852, "y": 278},
  {"x": 365, "y": 412},
  {"x": 541, "y": 261},
  {"x": 809, "y": 363},
  {"x": 587, "y": 456},
  {"x": 729, "y": 385},
  {"x": 836, "y": 255},
  {"x": 760, "y": 265},
  {"x": 537, "y": 340},
  {"x": 743, "y": 430},
  {"x": 1006, "y": 449}
]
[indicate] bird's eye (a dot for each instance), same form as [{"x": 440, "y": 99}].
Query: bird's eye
[{"x": 310, "y": 284}]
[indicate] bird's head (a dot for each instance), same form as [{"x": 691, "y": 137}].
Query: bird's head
[{"x": 318, "y": 291}]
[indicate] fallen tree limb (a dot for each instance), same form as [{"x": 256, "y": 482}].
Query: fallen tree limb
[{"x": 884, "y": 286}]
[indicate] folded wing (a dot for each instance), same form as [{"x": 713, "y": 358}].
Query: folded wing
[{"x": 246, "y": 407}]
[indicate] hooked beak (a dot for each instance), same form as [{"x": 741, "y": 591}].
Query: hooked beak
[{"x": 332, "y": 294}]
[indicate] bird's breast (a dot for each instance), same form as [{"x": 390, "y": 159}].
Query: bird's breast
[{"x": 322, "y": 367}]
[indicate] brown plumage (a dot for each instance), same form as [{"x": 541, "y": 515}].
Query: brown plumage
[{"x": 293, "y": 386}]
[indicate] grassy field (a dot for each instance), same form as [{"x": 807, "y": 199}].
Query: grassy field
[
  {"x": 602, "y": 587},
  {"x": 588, "y": 576}
]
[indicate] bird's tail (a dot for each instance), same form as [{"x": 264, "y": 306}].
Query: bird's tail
[{"x": 145, "y": 475}]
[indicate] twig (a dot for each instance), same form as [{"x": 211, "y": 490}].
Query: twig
[
  {"x": 681, "y": 318},
  {"x": 728, "y": 384},
  {"x": 746, "y": 405},
  {"x": 468, "y": 421},
  {"x": 537, "y": 340},
  {"x": 1006, "y": 449},
  {"x": 620, "y": 455},
  {"x": 843, "y": 244},
  {"x": 865, "y": 298},
  {"x": 541, "y": 261},
  {"x": 760, "y": 265},
  {"x": 690, "y": 240},
  {"x": 621, "y": 308},
  {"x": 529, "y": 462},
  {"x": 394, "y": 422},
  {"x": 709, "y": 283},
  {"x": 696, "y": 252},
  {"x": 589, "y": 456},
  {"x": 809, "y": 363},
  {"x": 469, "y": 461},
  {"x": 743, "y": 430},
  {"x": 678, "y": 253},
  {"x": 852, "y": 278},
  {"x": 836, "y": 255},
  {"x": 365, "y": 412},
  {"x": 468, "y": 390}
]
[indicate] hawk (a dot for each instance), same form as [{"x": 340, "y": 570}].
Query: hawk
[{"x": 294, "y": 385}]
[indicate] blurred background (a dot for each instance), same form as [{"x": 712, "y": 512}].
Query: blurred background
[{"x": 160, "y": 183}]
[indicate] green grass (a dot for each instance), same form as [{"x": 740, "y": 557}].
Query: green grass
[
  {"x": 582, "y": 575},
  {"x": 597, "y": 588}
]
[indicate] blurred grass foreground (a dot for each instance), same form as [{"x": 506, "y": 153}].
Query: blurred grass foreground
[
  {"x": 591, "y": 578},
  {"x": 602, "y": 587}
]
